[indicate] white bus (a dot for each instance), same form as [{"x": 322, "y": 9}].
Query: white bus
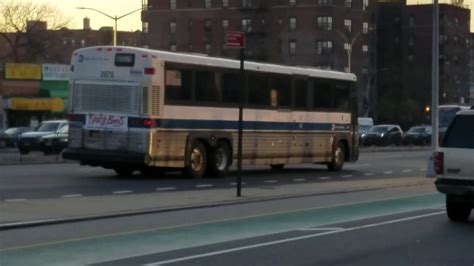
[{"x": 140, "y": 109}]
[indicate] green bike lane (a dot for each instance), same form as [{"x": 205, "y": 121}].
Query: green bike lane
[{"x": 151, "y": 241}]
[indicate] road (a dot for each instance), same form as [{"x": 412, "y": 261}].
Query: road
[
  {"x": 28, "y": 182},
  {"x": 397, "y": 226}
]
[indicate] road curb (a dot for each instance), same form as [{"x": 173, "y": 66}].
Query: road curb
[
  {"x": 54, "y": 221},
  {"x": 392, "y": 149}
]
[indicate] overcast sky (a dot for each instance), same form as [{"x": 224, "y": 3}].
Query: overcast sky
[{"x": 133, "y": 22}]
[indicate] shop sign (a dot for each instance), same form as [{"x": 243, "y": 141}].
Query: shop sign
[
  {"x": 22, "y": 71},
  {"x": 56, "y": 72},
  {"x": 43, "y": 104}
]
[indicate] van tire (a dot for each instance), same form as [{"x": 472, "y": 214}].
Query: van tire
[{"x": 457, "y": 211}]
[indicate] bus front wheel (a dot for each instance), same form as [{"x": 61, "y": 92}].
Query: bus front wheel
[
  {"x": 196, "y": 161},
  {"x": 338, "y": 158},
  {"x": 220, "y": 159}
]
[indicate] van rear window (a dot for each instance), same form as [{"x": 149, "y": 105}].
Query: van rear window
[
  {"x": 125, "y": 60},
  {"x": 461, "y": 133}
]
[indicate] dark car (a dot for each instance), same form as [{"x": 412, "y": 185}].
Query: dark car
[
  {"x": 56, "y": 142},
  {"x": 419, "y": 135},
  {"x": 9, "y": 137},
  {"x": 383, "y": 135},
  {"x": 30, "y": 141}
]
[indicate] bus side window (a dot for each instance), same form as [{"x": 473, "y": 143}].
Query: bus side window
[
  {"x": 322, "y": 94},
  {"x": 178, "y": 85},
  {"x": 301, "y": 94},
  {"x": 342, "y": 96},
  {"x": 258, "y": 90},
  {"x": 230, "y": 88},
  {"x": 281, "y": 90},
  {"x": 207, "y": 86}
]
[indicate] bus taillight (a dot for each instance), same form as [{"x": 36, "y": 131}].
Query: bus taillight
[
  {"x": 150, "y": 71},
  {"x": 148, "y": 122}
]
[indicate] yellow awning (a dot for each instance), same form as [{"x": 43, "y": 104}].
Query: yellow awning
[{"x": 37, "y": 104}]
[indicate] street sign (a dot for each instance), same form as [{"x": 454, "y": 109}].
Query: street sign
[{"x": 235, "y": 39}]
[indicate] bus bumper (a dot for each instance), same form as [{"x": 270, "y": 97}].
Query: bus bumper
[{"x": 104, "y": 158}]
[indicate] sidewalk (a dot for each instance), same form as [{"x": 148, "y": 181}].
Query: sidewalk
[{"x": 90, "y": 207}]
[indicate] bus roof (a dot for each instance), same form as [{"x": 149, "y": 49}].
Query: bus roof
[{"x": 194, "y": 59}]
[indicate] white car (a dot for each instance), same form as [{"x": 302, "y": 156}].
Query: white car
[{"x": 454, "y": 165}]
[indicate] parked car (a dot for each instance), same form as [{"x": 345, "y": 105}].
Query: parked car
[
  {"x": 30, "y": 141},
  {"x": 383, "y": 135},
  {"x": 365, "y": 124},
  {"x": 419, "y": 135},
  {"x": 453, "y": 163},
  {"x": 9, "y": 137},
  {"x": 56, "y": 142}
]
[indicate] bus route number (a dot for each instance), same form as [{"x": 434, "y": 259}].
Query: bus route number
[{"x": 107, "y": 74}]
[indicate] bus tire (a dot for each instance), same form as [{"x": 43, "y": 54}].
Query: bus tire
[
  {"x": 196, "y": 160},
  {"x": 338, "y": 158},
  {"x": 220, "y": 159},
  {"x": 277, "y": 167},
  {"x": 151, "y": 171},
  {"x": 124, "y": 171}
]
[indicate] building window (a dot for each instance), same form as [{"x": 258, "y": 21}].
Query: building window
[
  {"x": 325, "y": 23},
  {"x": 246, "y": 3},
  {"x": 292, "y": 48},
  {"x": 145, "y": 27},
  {"x": 347, "y": 46},
  {"x": 83, "y": 43},
  {"x": 173, "y": 4},
  {"x": 456, "y": 21},
  {"x": 365, "y": 4},
  {"x": 325, "y": 2},
  {"x": 365, "y": 28},
  {"x": 411, "y": 58},
  {"x": 225, "y": 3},
  {"x": 73, "y": 42},
  {"x": 207, "y": 25},
  {"x": 207, "y": 3},
  {"x": 172, "y": 26},
  {"x": 292, "y": 2},
  {"x": 411, "y": 21},
  {"x": 365, "y": 48},
  {"x": 411, "y": 41},
  {"x": 247, "y": 25},
  {"x": 207, "y": 48},
  {"x": 190, "y": 25},
  {"x": 324, "y": 47},
  {"x": 292, "y": 24},
  {"x": 348, "y": 3},
  {"x": 173, "y": 47},
  {"x": 348, "y": 25},
  {"x": 225, "y": 24}
]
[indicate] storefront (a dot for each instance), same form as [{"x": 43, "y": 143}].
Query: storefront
[{"x": 30, "y": 111}]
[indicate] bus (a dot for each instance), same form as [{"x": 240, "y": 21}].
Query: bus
[{"x": 135, "y": 109}]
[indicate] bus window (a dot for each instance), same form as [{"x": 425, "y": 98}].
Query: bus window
[
  {"x": 258, "y": 90},
  {"x": 341, "y": 96},
  {"x": 207, "y": 86},
  {"x": 125, "y": 60},
  {"x": 301, "y": 94},
  {"x": 282, "y": 87},
  {"x": 178, "y": 85},
  {"x": 322, "y": 94},
  {"x": 230, "y": 88}
]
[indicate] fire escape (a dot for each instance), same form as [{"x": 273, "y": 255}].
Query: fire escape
[{"x": 254, "y": 14}]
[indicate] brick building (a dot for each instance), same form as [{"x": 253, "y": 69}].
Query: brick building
[
  {"x": 404, "y": 59},
  {"x": 291, "y": 32}
]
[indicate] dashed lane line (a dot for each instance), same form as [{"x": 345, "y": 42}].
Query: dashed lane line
[
  {"x": 325, "y": 178},
  {"x": 270, "y": 181},
  {"x": 347, "y": 176},
  {"x": 388, "y": 173},
  {"x": 165, "y": 188},
  {"x": 71, "y": 196},
  {"x": 119, "y": 192},
  {"x": 299, "y": 180},
  {"x": 407, "y": 171},
  {"x": 15, "y": 200},
  {"x": 204, "y": 186},
  {"x": 369, "y": 174}
]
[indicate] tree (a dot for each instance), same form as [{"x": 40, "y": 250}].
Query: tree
[
  {"x": 458, "y": 3},
  {"x": 22, "y": 27}
]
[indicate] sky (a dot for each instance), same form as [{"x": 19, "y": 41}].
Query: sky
[{"x": 133, "y": 22}]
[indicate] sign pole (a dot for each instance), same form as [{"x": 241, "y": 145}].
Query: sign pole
[{"x": 241, "y": 122}]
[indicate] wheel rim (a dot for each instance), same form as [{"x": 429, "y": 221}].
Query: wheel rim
[
  {"x": 221, "y": 159},
  {"x": 197, "y": 159},
  {"x": 339, "y": 156}
]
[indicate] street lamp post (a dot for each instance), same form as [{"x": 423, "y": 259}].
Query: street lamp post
[
  {"x": 349, "y": 49},
  {"x": 115, "y": 18}
]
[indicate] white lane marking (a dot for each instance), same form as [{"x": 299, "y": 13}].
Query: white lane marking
[
  {"x": 291, "y": 239},
  {"x": 299, "y": 180},
  {"x": 235, "y": 184},
  {"x": 204, "y": 186},
  {"x": 322, "y": 229},
  {"x": 122, "y": 192},
  {"x": 407, "y": 171},
  {"x": 15, "y": 200},
  {"x": 325, "y": 178},
  {"x": 369, "y": 174},
  {"x": 388, "y": 173},
  {"x": 270, "y": 181},
  {"x": 358, "y": 165},
  {"x": 165, "y": 188},
  {"x": 71, "y": 196},
  {"x": 346, "y": 176},
  {"x": 423, "y": 169}
]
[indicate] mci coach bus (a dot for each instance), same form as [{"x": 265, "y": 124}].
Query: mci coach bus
[{"x": 136, "y": 109}]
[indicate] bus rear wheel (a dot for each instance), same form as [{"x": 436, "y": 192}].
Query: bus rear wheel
[
  {"x": 196, "y": 161},
  {"x": 338, "y": 158},
  {"x": 124, "y": 171},
  {"x": 220, "y": 159},
  {"x": 277, "y": 167}
]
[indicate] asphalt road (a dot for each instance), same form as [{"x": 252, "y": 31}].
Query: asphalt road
[
  {"x": 402, "y": 226},
  {"x": 26, "y": 182}
]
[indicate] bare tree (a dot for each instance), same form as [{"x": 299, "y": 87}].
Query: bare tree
[
  {"x": 21, "y": 27},
  {"x": 458, "y": 3}
]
